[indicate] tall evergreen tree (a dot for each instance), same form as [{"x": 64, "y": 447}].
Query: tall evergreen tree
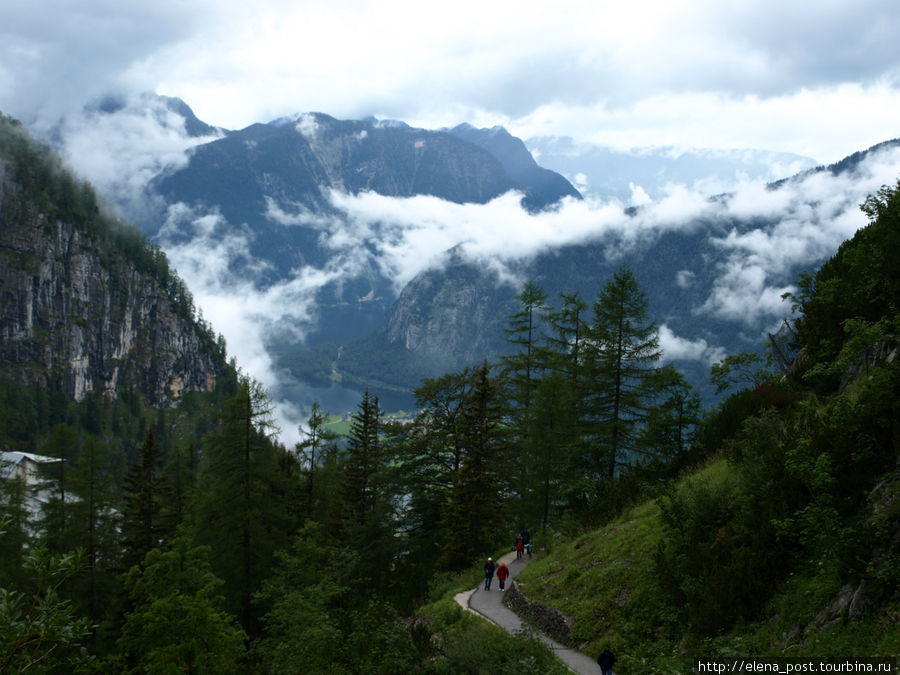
[
  {"x": 311, "y": 450},
  {"x": 14, "y": 526},
  {"x": 472, "y": 518},
  {"x": 63, "y": 443},
  {"x": 521, "y": 374},
  {"x": 429, "y": 452},
  {"x": 142, "y": 529},
  {"x": 367, "y": 510},
  {"x": 560, "y": 411},
  {"x": 672, "y": 417},
  {"x": 239, "y": 512},
  {"x": 623, "y": 350},
  {"x": 98, "y": 520},
  {"x": 521, "y": 368}
]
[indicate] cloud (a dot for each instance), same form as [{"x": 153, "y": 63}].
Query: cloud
[
  {"x": 811, "y": 216},
  {"x": 793, "y": 227},
  {"x": 247, "y": 313},
  {"x": 122, "y": 151},
  {"x": 691, "y": 74},
  {"x": 676, "y": 348}
]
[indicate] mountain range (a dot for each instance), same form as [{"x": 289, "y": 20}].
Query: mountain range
[{"x": 378, "y": 253}]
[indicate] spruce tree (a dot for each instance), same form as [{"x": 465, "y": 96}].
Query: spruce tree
[{"x": 367, "y": 513}]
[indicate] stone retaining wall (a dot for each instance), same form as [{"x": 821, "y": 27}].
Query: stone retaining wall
[{"x": 546, "y": 619}]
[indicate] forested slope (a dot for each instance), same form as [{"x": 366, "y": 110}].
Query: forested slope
[{"x": 786, "y": 541}]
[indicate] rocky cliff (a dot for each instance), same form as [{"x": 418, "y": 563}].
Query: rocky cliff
[{"x": 82, "y": 307}]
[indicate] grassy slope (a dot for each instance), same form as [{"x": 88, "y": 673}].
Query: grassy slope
[{"x": 604, "y": 582}]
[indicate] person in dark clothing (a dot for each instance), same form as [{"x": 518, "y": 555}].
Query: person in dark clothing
[
  {"x": 606, "y": 661},
  {"x": 488, "y": 574},
  {"x": 526, "y": 541}
]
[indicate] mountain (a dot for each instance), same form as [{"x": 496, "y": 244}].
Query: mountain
[
  {"x": 518, "y": 161},
  {"x": 88, "y": 304},
  {"x": 276, "y": 182},
  {"x": 381, "y": 253},
  {"x": 455, "y": 314},
  {"x": 296, "y": 163}
]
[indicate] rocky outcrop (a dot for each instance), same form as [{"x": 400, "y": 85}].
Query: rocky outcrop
[
  {"x": 78, "y": 316},
  {"x": 451, "y": 317}
]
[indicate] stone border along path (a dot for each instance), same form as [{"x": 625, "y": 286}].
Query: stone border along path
[{"x": 489, "y": 604}]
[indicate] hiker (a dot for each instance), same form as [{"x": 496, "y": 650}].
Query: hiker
[
  {"x": 488, "y": 574},
  {"x": 526, "y": 540},
  {"x": 606, "y": 661},
  {"x": 502, "y": 574},
  {"x": 520, "y": 546}
]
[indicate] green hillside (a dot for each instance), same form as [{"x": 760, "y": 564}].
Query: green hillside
[
  {"x": 609, "y": 584},
  {"x": 784, "y": 539}
]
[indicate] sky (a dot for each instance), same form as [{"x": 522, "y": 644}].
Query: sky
[{"x": 818, "y": 78}]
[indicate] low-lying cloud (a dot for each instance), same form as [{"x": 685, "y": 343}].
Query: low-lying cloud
[
  {"x": 796, "y": 225},
  {"x": 802, "y": 222}
]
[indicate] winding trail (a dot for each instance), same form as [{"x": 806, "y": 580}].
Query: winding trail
[{"x": 489, "y": 604}]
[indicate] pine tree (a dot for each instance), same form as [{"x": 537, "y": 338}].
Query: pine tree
[
  {"x": 63, "y": 444},
  {"x": 429, "y": 452},
  {"x": 672, "y": 417},
  {"x": 97, "y": 519},
  {"x": 367, "y": 509},
  {"x": 363, "y": 461},
  {"x": 623, "y": 349},
  {"x": 560, "y": 415}
]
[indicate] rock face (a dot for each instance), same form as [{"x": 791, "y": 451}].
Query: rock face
[
  {"x": 78, "y": 315},
  {"x": 451, "y": 312}
]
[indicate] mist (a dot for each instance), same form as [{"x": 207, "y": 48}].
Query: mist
[{"x": 801, "y": 223}]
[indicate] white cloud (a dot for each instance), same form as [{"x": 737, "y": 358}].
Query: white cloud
[
  {"x": 675, "y": 348},
  {"x": 121, "y": 152},
  {"x": 812, "y": 78},
  {"x": 307, "y": 126},
  {"x": 405, "y": 236}
]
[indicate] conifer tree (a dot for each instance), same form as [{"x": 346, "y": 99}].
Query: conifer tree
[
  {"x": 63, "y": 444},
  {"x": 472, "y": 518},
  {"x": 97, "y": 519},
  {"x": 672, "y": 417},
  {"x": 367, "y": 511},
  {"x": 14, "y": 526},
  {"x": 240, "y": 514},
  {"x": 312, "y": 450},
  {"x": 560, "y": 411},
  {"x": 623, "y": 349},
  {"x": 359, "y": 488},
  {"x": 429, "y": 452},
  {"x": 521, "y": 374},
  {"x": 142, "y": 528}
]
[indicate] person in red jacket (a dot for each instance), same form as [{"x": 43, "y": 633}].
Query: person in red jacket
[{"x": 502, "y": 574}]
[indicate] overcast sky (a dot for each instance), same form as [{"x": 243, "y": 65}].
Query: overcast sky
[{"x": 820, "y": 78}]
